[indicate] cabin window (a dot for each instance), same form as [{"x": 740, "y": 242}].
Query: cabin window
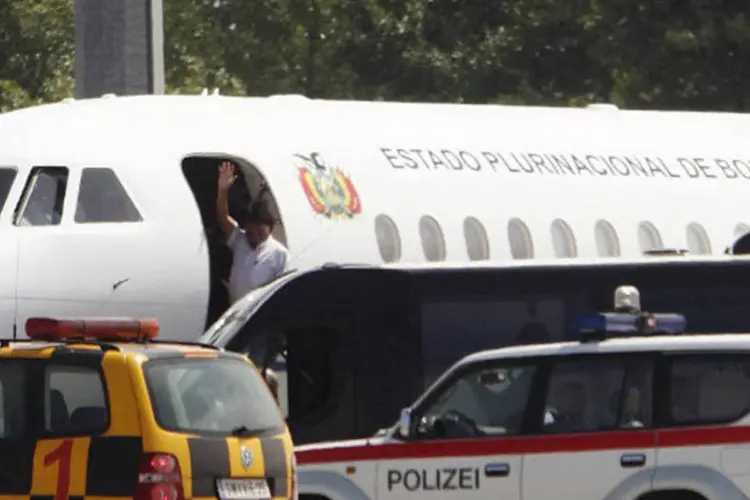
[
  {"x": 607, "y": 242},
  {"x": 433, "y": 241},
  {"x": 388, "y": 238},
  {"x": 477, "y": 243},
  {"x": 102, "y": 198},
  {"x": 648, "y": 237},
  {"x": 7, "y": 176},
  {"x": 698, "y": 241},
  {"x": 43, "y": 197},
  {"x": 741, "y": 229},
  {"x": 521, "y": 244},
  {"x": 563, "y": 239}
]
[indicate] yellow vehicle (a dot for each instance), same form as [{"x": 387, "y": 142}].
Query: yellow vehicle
[{"x": 99, "y": 408}]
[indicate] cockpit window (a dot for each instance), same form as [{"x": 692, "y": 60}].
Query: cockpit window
[
  {"x": 43, "y": 197},
  {"x": 220, "y": 396},
  {"x": 102, "y": 198},
  {"x": 7, "y": 176}
]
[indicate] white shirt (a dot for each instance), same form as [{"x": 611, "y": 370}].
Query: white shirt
[{"x": 252, "y": 268}]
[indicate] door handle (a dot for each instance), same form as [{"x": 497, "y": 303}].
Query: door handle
[
  {"x": 633, "y": 460},
  {"x": 497, "y": 470}
]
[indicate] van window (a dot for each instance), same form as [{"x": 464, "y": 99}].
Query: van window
[
  {"x": 494, "y": 322},
  {"x": 709, "y": 389},
  {"x": 102, "y": 198},
  {"x": 305, "y": 363},
  {"x": 7, "y": 176},
  {"x": 219, "y": 396},
  {"x": 74, "y": 401},
  {"x": 12, "y": 398},
  {"x": 598, "y": 394},
  {"x": 311, "y": 369},
  {"x": 464, "y": 312},
  {"x": 43, "y": 197}
]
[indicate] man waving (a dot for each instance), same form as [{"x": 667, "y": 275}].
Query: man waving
[{"x": 257, "y": 256}]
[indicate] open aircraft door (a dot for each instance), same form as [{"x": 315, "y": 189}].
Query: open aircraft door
[{"x": 10, "y": 188}]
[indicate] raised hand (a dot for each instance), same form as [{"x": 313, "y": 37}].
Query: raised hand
[{"x": 226, "y": 175}]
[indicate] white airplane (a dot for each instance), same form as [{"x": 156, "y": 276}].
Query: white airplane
[{"x": 107, "y": 205}]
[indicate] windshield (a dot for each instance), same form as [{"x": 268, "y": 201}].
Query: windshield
[
  {"x": 210, "y": 395},
  {"x": 492, "y": 397},
  {"x": 236, "y": 316}
]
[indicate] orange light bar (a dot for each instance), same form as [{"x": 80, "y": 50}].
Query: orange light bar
[{"x": 96, "y": 329}]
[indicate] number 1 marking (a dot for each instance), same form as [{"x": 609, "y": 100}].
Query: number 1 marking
[{"x": 62, "y": 456}]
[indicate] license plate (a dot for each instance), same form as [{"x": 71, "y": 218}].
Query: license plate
[{"x": 241, "y": 489}]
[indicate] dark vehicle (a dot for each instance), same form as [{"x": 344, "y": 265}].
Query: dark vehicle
[{"x": 352, "y": 345}]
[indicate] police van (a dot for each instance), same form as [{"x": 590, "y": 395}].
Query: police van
[
  {"x": 354, "y": 344},
  {"x": 633, "y": 410}
]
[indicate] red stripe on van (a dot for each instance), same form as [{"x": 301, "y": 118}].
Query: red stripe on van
[{"x": 594, "y": 441}]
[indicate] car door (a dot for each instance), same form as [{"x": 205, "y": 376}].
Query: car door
[
  {"x": 8, "y": 250},
  {"x": 704, "y": 419},
  {"x": 595, "y": 437},
  {"x": 465, "y": 438},
  {"x": 75, "y": 412}
]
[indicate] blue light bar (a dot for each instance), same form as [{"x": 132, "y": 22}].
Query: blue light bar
[{"x": 625, "y": 323}]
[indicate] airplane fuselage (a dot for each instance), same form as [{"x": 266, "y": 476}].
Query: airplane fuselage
[{"x": 350, "y": 182}]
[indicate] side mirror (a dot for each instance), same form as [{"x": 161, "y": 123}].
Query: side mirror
[{"x": 404, "y": 423}]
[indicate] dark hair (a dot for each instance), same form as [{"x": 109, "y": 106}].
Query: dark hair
[{"x": 259, "y": 213}]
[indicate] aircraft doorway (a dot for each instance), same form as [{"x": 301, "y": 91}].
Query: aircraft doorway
[{"x": 201, "y": 173}]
